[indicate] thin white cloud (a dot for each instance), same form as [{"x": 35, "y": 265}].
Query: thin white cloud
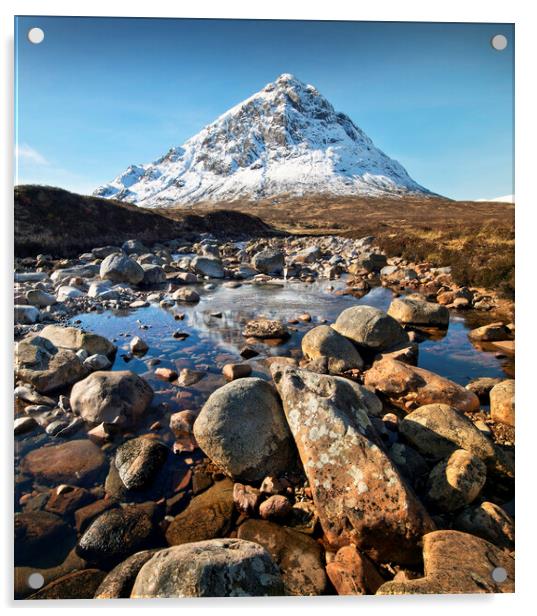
[{"x": 26, "y": 153}]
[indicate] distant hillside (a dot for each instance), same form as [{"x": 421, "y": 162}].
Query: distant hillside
[{"x": 55, "y": 221}]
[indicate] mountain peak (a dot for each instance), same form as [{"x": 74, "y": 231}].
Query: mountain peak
[{"x": 284, "y": 139}]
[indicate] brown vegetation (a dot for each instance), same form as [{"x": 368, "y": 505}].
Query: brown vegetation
[{"x": 55, "y": 221}]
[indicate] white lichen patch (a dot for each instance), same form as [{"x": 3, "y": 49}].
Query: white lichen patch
[{"x": 362, "y": 487}]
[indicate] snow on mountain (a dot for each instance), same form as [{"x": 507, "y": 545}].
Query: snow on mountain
[
  {"x": 505, "y": 199},
  {"x": 285, "y": 139}
]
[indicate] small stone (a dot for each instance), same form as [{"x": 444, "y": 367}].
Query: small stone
[
  {"x": 248, "y": 353},
  {"x": 24, "y": 424},
  {"x": 456, "y": 481},
  {"x": 188, "y": 377},
  {"x": 236, "y": 371},
  {"x": 246, "y": 498},
  {"x": 276, "y": 507},
  {"x": 138, "y": 346},
  {"x": 166, "y": 373}
]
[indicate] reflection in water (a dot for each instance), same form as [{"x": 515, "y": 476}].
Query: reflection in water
[{"x": 215, "y": 340}]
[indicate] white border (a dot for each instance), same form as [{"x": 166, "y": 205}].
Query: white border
[{"x": 519, "y": 11}]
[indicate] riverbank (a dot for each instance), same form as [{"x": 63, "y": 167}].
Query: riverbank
[{"x": 260, "y": 400}]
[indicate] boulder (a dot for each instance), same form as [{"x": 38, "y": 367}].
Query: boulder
[
  {"x": 352, "y": 573},
  {"x": 133, "y": 247},
  {"x": 358, "y": 491},
  {"x": 44, "y": 366},
  {"x": 208, "y": 266},
  {"x": 74, "y": 585},
  {"x": 265, "y": 328},
  {"x": 409, "y": 387},
  {"x": 75, "y": 462},
  {"x": 215, "y": 568},
  {"x": 74, "y": 339},
  {"x": 324, "y": 341},
  {"x": 298, "y": 556},
  {"x": 25, "y": 315},
  {"x": 457, "y": 563},
  {"x": 119, "y": 582},
  {"x": 456, "y": 481},
  {"x": 410, "y": 311},
  {"x": 372, "y": 262},
  {"x": 209, "y": 515},
  {"x": 153, "y": 275},
  {"x": 492, "y": 332},
  {"x": 502, "y": 402},
  {"x": 37, "y": 536},
  {"x": 40, "y": 298},
  {"x": 437, "y": 430},
  {"x": 97, "y": 362},
  {"x": 488, "y": 521},
  {"x": 138, "y": 460},
  {"x": 115, "y": 535},
  {"x": 111, "y": 396},
  {"x": 482, "y": 386},
  {"x": 370, "y": 328},
  {"x": 186, "y": 295},
  {"x": 269, "y": 261},
  {"x": 308, "y": 255},
  {"x": 77, "y": 271},
  {"x": 66, "y": 292},
  {"x": 120, "y": 268},
  {"x": 243, "y": 430},
  {"x": 103, "y": 251}
]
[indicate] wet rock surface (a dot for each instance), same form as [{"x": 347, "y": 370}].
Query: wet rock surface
[
  {"x": 115, "y": 535},
  {"x": 208, "y": 516}
]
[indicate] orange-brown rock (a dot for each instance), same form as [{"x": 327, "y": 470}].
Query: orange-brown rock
[
  {"x": 502, "y": 402},
  {"x": 358, "y": 491},
  {"x": 457, "y": 563},
  {"x": 352, "y": 573},
  {"x": 409, "y": 387},
  {"x": 74, "y": 462}
]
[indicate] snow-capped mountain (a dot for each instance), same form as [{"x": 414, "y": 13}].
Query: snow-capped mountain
[{"x": 285, "y": 139}]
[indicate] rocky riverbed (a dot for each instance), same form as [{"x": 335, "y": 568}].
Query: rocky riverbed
[{"x": 287, "y": 415}]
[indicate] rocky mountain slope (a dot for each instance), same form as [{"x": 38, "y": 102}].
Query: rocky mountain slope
[{"x": 286, "y": 139}]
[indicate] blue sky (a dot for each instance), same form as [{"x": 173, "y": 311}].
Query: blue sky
[{"x": 100, "y": 94}]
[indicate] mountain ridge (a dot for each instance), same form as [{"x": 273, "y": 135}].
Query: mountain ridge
[{"x": 285, "y": 139}]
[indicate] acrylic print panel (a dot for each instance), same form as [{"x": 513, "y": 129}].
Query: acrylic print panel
[{"x": 264, "y": 286}]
